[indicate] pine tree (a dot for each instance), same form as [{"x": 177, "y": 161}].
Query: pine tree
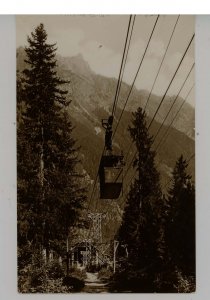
[
  {"x": 141, "y": 227},
  {"x": 50, "y": 196},
  {"x": 180, "y": 230}
]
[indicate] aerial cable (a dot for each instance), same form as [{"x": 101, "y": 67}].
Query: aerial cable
[
  {"x": 169, "y": 84},
  {"x": 158, "y": 144},
  {"x": 171, "y": 80},
  {"x": 169, "y": 42},
  {"x": 151, "y": 122},
  {"x": 121, "y": 67},
  {"x": 107, "y": 123},
  {"x": 113, "y": 109},
  {"x": 164, "y": 97},
  {"x": 174, "y": 101},
  {"x": 165, "y": 135},
  {"x": 93, "y": 189},
  {"x": 171, "y": 36},
  {"x": 142, "y": 59},
  {"x": 125, "y": 61}
]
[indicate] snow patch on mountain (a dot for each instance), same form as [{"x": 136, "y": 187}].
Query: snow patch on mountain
[{"x": 97, "y": 130}]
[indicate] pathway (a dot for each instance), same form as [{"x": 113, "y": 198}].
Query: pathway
[{"x": 94, "y": 285}]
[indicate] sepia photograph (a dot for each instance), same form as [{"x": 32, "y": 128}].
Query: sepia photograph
[{"x": 105, "y": 154}]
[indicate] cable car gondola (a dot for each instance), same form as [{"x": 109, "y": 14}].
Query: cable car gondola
[
  {"x": 111, "y": 167},
  {"x": 111, "y": 176}
]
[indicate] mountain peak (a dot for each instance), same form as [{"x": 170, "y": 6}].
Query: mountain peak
[
  {"x": 79, "y": 56},
  {"x": 76, "y": 64}
]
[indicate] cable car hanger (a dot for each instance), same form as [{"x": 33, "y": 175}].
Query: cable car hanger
[{"x": 111, "y": 166}]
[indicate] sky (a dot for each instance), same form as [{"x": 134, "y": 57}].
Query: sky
[{"x": 100, "y": 39}]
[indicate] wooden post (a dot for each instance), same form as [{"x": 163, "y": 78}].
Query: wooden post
[
  {"x": 44, "y": 255},
  {"x": 116, "y": 244},
  {"x": 67, "y": 256},
  {"x": 60, "y": 260},
  {"x": 51, "y": 256},
  {"x": 126, "y": 250},
  {"x": 86, "y": 251},
  {"x": 97, "y": 260}
]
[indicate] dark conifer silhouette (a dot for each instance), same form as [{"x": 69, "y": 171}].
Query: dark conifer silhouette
[
  {"x": 141, "y": 227},
  {"x": 180, "y": 226},
  {"x": 50, "y": 196}
]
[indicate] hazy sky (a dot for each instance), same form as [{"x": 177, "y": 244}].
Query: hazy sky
[{"x": 84, "y": 34}]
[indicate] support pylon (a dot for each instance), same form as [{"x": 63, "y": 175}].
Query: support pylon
[{"x": 96, "y": 232}]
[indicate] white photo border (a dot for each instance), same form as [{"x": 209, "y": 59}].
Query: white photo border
[{"x": 8, "y": 223}]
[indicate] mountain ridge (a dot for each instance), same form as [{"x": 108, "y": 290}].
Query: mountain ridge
[
  {"x": 91, "y": 98},
  {"x": 76, "y": 66}
]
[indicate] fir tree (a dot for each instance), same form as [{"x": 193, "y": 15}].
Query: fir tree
[
  {"x": 49, "y": 188},
  {"x": 141, "y": 227},
  {"x": 180, "y": 230}
]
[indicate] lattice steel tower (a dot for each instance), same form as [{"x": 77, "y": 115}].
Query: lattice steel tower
[{"x": 96, "y": 232}]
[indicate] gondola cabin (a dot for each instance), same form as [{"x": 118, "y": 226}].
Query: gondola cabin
[{"x": 111, "y": 176}]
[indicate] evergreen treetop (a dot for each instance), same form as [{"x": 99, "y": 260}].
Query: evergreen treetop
[
  {"x": 141, "y": 226},
  {"x": 50, "y": 192},
  {"x": 180, "y": 225}
]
